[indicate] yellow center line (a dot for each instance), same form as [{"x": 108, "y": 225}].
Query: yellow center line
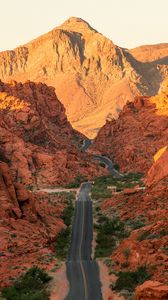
[{"x": 80, "y": 255}]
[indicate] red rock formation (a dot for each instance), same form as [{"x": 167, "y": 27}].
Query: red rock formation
[
  {"x": 146, "y": 245},
  {"x": 151, "y": 290},
  {"x": 159, "y": 170},
  {"x": 28, "y": 226},
  {"x": 38, "y": 146},
  {"x": 139, "y": 132},
  {"x": 93, "y": 77},
  {"x": 36, "y": 138}
]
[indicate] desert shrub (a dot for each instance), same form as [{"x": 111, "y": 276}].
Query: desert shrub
[
  {"x": 64, "y": 237},
  {"x": 30, "y": 286},
  {"x": 147, "y": 235},
  {"x": 135, "y": 223},
  {"x": 116, "y": 166},
  {"x": 125, "y": 264},
  {"x": 100, "y": 191},
  {"x": 68, "y": 213},
  {"x": 129, "y": 280},
  {"x": 101, "y": 164},
  {"x": 109, "y": 232},
  {"x": 62, "y": 243},
  {"x": 127, "y": 253},
  {"x": 29, "y": 187}
]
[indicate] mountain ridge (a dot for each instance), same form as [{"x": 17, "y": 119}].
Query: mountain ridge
[{"x": 87, "y": 69}]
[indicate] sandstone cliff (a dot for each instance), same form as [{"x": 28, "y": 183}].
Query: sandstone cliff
[
  {"x": 29, "y": 225},
  {"x": 36, "y": 140},
  {"x": 140, "y": 131},
  {"x": 38, "y": 147},
  {"x": 93, "y": 77},
  {"x": 147, "y": 244}
]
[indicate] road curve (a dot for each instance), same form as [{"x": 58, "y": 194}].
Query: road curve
[
  {"x": 86, "y": 144},
  {"x": 110, "y": 166},
  {"x": 104, "y": 159},
  {"x": 82, "y": 272}
]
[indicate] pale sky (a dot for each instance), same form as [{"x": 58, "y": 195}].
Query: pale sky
[{"x": 128, "y": 23}]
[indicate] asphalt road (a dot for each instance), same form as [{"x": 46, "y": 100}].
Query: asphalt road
[
  {"x": 82, "y": 272},
  {"x": 110, "y": 166},
  {"x": 104, "y": 159},
  {"x": 86, "y": 144}
]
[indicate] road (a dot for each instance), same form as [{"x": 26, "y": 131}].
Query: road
[
  {"x": 86, "y": 144},
  {"x": 104, "y": 159},
  {"x": 82, "y": 272},
  {"x": 110, "y": 166}
]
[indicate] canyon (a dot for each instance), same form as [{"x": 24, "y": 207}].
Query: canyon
[
  {"x": 36, "y": 138},
  {"x": 56, "y": 91},
  {"x": 38, "y": 148}
]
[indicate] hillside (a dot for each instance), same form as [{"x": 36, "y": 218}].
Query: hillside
[
  {"x": 29, "y": 226},
  {"x": 144, "y": 213},
  {"x": 157, "y": 54},
  {"x": 38, "y": 143},
  {"x": 38, "y": 148},
  {"x": 139, "y": 132},
  {"x": 93, "y": 77}
]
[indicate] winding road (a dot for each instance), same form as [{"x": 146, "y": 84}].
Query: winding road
[
  {"x": 110, "y": 166},
  {"x": 86, "y": 144},
  {"x": 82, "y": 272}
]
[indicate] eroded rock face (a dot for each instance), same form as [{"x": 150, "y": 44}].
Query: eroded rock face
[
  {"x": 36, "y": 138},
  {"x": 151, "y": 290},
  {"x": 159, "y": 169},
  {"x": 93, "y": 77},
  {"x": 139, "y": 132},
  {"x": 145, "y": 212},
  {"x": 29, "y": 225}
]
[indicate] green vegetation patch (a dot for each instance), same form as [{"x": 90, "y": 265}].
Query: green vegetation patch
[
  {"x": 135, "y": 223},
  {"x": 109, "y": 232},
  {"x": 130, "y": 280},
  {"x": 100, "y": 188},
  {"x": 147, "y": 235},
  {"x": 62, "y": 243},
  {"x": 30, "y": 286},
  {"x": 64, "y": 237}
]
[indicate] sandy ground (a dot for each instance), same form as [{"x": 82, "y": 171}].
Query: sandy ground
[
  {"x": 106, "y": 280},
  {"x": 57, "y": 190},
  {"x": 59, "y": 285}
]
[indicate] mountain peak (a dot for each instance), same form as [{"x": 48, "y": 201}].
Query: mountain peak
[{"x": 74, "y": 23}]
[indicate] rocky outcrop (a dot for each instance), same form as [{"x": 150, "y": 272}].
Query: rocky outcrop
[
  {"x": 28, "y": 227},
  {"x": 159, "y": 169},
  {"x": 151, "y": 290},
  {"x": 145, "y": 214},
  {"x": 139, "y": 132},
  {"x": 36, "y": 138},
  {"x": 93, "y": 77}
]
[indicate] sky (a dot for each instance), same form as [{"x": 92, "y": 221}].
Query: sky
[{"x": 128, "y": 23}]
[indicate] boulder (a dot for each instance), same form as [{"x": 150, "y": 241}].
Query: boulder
[{"x": 151, "y": 290}]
